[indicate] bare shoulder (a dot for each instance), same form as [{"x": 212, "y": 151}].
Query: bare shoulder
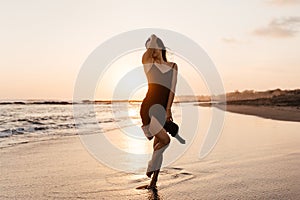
[{"x": 173, "y": 65}]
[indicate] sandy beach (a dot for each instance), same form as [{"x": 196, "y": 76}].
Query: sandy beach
[
  {"x": 254, "y": 159},
  {"x": 85, "y": 85},
  {"x": 285, "y": 113}
]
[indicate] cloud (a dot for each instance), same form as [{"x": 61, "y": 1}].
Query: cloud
[
  {"x": 280, "y": 28},
  {"x": 234, "y": 41},
  {"x": 283, "y": 2},
  {"x": 230, "y": 40}
]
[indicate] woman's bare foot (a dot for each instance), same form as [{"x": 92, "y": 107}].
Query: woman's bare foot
[
  {"x": 151, "y": 187},
  {"x": 152, "y": 184},
  {"x": 153, "y": 180}
]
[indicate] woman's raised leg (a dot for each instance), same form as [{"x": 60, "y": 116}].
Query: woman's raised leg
[{"x": 162, "y": 138}]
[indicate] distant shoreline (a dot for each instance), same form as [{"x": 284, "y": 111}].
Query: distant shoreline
[
  {"x": 272, "y": 104},
  {"x": 284, "y": 113}
]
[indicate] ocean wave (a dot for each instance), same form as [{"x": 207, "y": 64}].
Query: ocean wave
[
  {"x": 10, "y": 132},
  {"x": 30, "y": 121},
  {"x": 24, "y": 121},
  {"x": 49, "y": 128}
]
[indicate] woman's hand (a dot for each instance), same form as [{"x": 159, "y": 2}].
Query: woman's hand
[{"x": 169, "y": 115}]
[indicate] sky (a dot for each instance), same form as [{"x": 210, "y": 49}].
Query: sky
[{"x": 43, "y": 44}]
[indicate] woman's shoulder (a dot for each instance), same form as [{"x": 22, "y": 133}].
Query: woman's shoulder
[{"x": 173, "y": 65}]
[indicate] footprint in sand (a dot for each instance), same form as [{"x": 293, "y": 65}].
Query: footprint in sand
[{"x": 167, "y": 177}]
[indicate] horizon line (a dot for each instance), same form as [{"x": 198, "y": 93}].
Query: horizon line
[{"x": 137, "y": 100}]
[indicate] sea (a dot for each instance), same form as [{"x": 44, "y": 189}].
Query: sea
[{"x": 31, "y": 120}]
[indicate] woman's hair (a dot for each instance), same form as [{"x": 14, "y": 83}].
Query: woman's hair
[{"x": 162, "y": 46}]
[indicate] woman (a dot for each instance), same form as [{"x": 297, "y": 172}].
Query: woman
[{"x": 156, "y": 106}]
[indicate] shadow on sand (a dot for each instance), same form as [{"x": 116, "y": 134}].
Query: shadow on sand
[{"x": 153, "y": 194}]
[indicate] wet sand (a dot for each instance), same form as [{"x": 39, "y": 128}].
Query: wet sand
[{"x": 255, "y": 158}]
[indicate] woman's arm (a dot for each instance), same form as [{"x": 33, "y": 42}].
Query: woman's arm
[
  {"x": 147, "y": 57},
  {"x": 150, "y": 45},
  {"x": 172, "y": 92},
  {"x": 147, "y": 60}
]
